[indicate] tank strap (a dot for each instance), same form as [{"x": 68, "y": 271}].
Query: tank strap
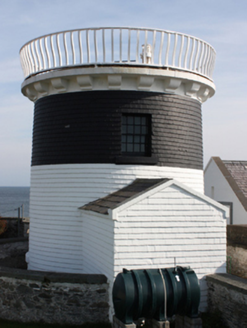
[{"x": 165, "y": 294}]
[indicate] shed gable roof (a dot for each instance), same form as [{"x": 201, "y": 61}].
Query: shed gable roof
[
  {"x": 111, "y": 201},
  {"x": 235, "y": 172},
  {"x": 138, "y": 190}
]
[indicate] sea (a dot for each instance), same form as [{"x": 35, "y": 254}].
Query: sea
[{"x": 11, "y": 198}]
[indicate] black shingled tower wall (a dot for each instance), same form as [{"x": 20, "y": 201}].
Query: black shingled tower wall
[{"x": 85, "y": 127}]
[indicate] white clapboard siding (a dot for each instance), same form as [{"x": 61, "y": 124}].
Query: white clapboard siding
[
  {"x": 73, "y": 176},
  {"x": 98, "y": 247},
  {"x": 98, "y": 244},
  {"x": 56, "y": 193},
  {"x": 171, "y": 225}
]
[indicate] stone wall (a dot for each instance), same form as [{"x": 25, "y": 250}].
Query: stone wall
[
  {"x": 228, "y": 294},
  {"x": 34, "y": 296},
  {"x": 12, "y": 252},
  {"x": 237, "y": 250}
]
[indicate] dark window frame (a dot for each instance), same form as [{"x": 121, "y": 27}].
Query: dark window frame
[
  {"x": 230, "y": 206},
  {"x": 136, "y": 134}
]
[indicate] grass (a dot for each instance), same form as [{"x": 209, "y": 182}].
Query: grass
[{"x": 11, "y": 324}]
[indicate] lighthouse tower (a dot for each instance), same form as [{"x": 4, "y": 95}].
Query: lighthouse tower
[{"x": 110, "y": 105}]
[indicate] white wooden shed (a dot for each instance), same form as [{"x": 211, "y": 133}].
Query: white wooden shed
[{"x": 153, "y": 223}]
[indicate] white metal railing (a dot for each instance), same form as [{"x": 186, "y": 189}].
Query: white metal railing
[{"x": 117, "y": 46}]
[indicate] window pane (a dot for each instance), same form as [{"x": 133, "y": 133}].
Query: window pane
[
  {"x": 129, "y": 147},
  {"x": 130, "y": 129},
  {"x": 124, "y": 129},
  {"x": 130, "y": 119},
  {"x": 137, "y": 148},
  {"x": 144, "y": 130},
  {"x": 130, "y": 139},
  {"x": 124, "y": 147},
  {"x": 137, "y": 139},
  {"x": 137, "y": 129},
  {"x": 137, "y": 120}
]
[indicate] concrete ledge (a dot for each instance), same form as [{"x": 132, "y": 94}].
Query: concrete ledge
[
  {"x": 44, "y": 276},
  {"x": 12, "y": 240},
  {"x": 229, "y": 281},
  {"x": 228, "y": 295}
]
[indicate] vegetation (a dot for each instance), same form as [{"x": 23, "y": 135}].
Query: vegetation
[{"x": 3, "y": 226}]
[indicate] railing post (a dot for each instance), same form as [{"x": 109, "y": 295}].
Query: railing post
[{"x": 18, "y": 222}]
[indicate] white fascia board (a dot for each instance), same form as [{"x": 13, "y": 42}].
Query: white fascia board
[
  {"x": 112, "y": 214},
  {"x": 162, "y": 186},
  {"x": 85, "y": 213}
]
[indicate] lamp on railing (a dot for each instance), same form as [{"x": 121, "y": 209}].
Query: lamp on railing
[{"x": 146, "y": 54}]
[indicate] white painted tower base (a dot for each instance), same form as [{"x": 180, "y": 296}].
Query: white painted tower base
[{"x": 58, "y": 190}]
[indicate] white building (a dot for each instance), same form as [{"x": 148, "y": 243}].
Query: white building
[{"x": 226, "y": 182}]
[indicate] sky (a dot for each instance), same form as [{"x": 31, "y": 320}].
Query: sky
[{"x": 222, "y": 23}]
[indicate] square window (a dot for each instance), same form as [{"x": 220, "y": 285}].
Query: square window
[{"x": 136, "y": 135}]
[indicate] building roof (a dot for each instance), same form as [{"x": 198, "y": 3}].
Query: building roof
[
  {"x": 235, "y": 172},
  {"x": 138, "y": 190},
  {"x": 123, "y": 195}
]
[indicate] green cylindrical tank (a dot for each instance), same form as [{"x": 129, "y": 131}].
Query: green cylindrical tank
[{"x": 155, "y": 293}]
